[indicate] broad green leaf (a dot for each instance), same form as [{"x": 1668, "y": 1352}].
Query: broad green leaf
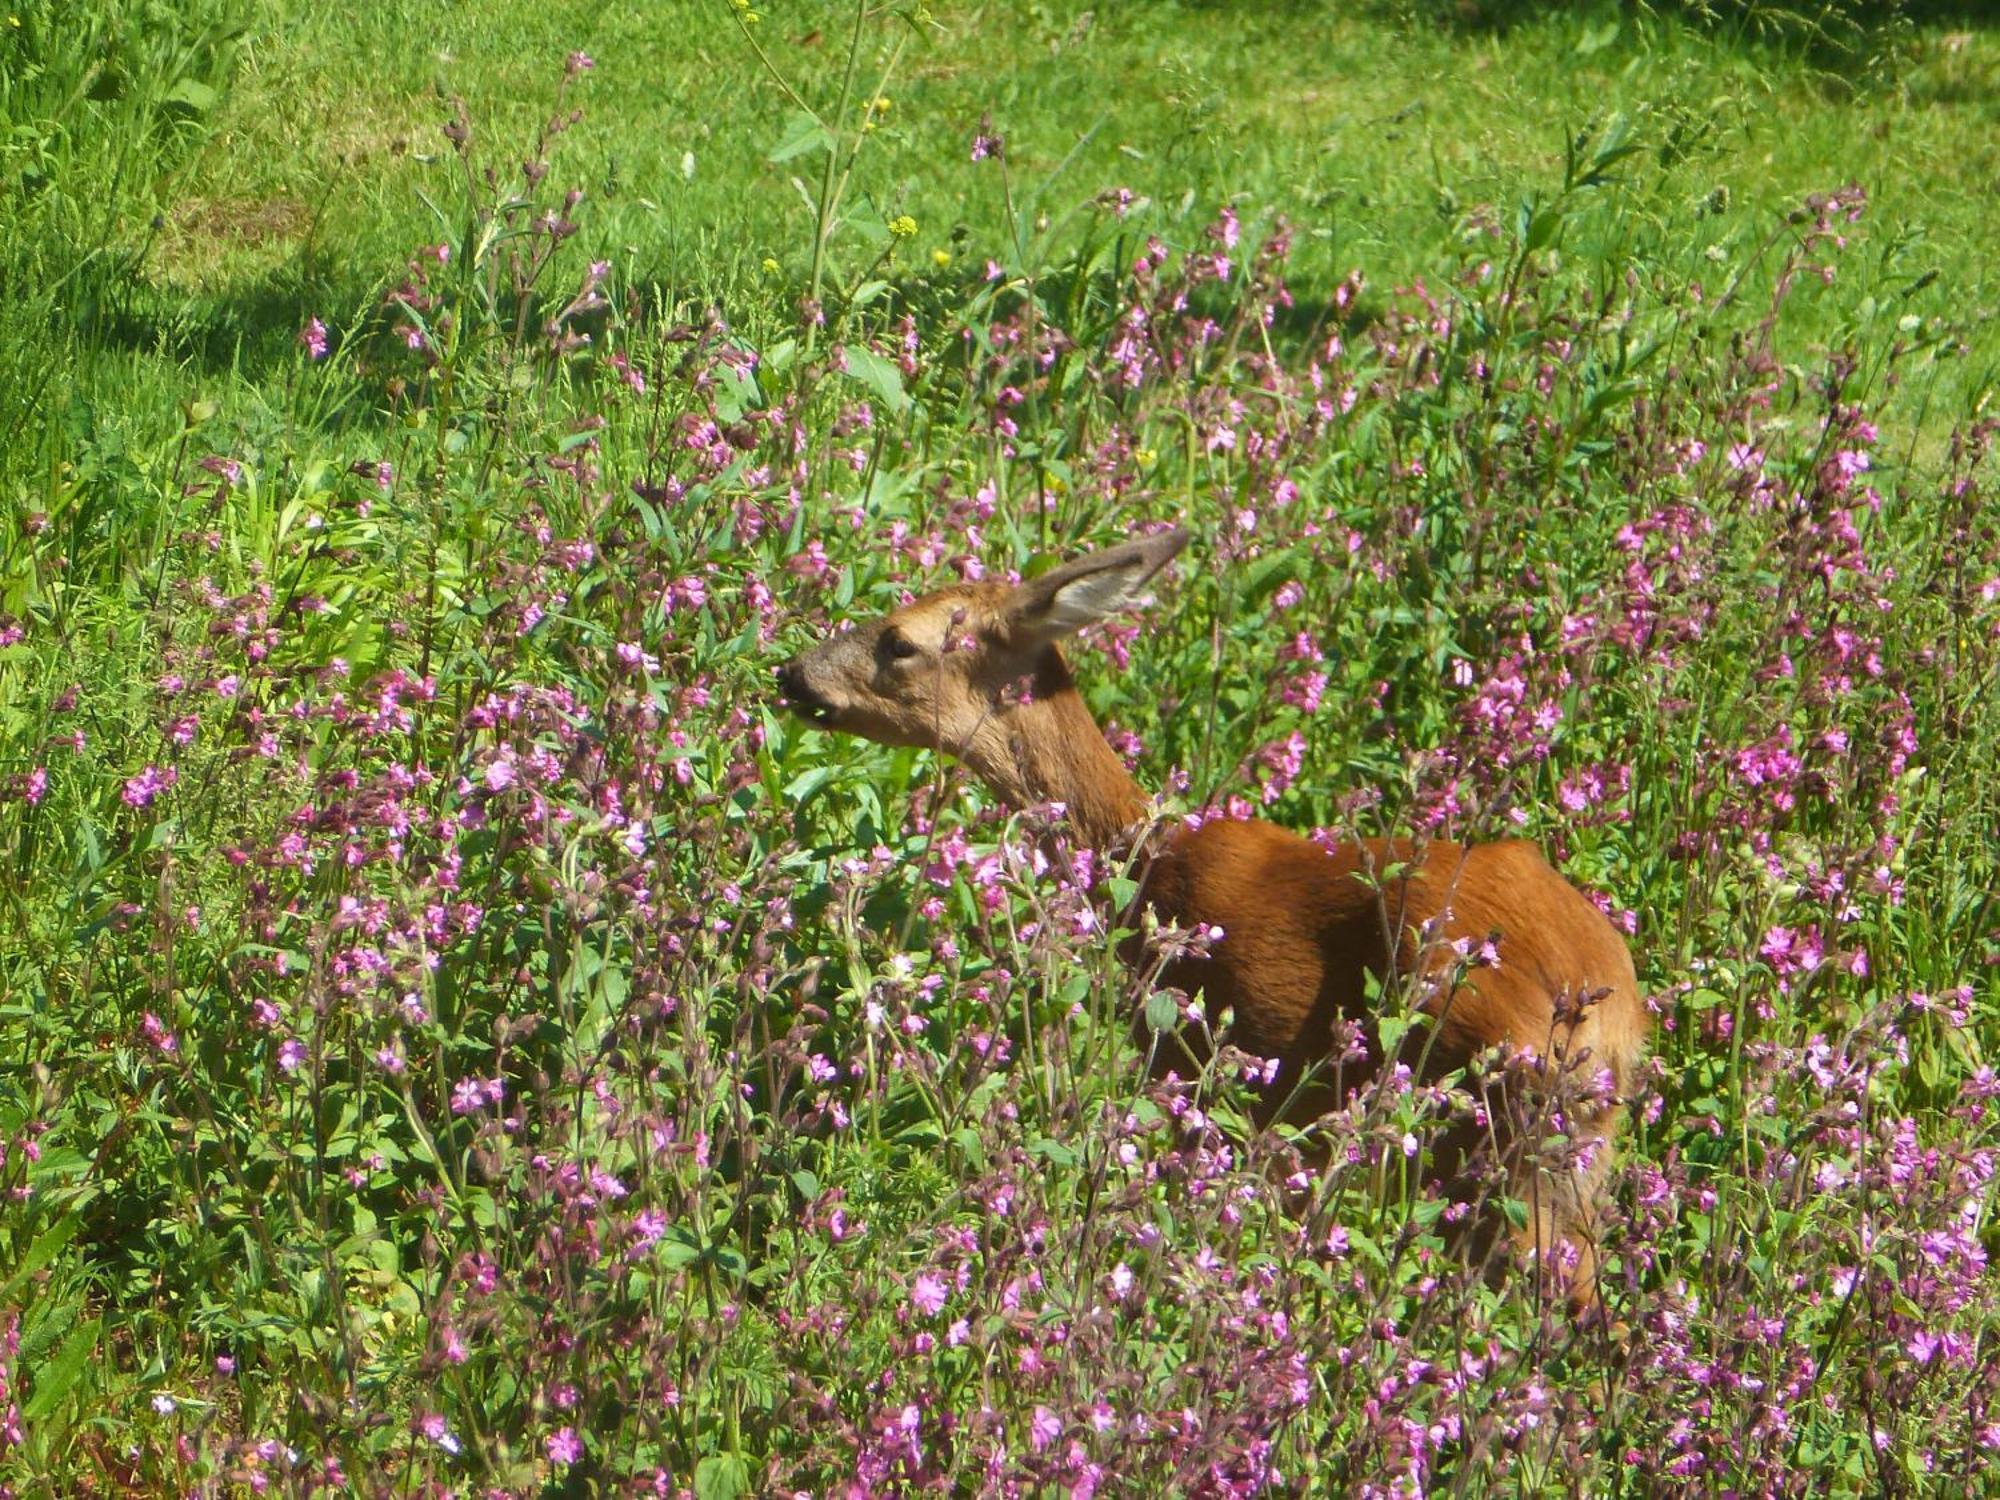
[
  {"x": 803, "y": 133},
  {"x": 721, "y": 1476},
  {"x": 881, "y": 377}
]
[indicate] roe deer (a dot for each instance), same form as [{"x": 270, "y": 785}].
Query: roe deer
[{"x": 1302, "y": 924}]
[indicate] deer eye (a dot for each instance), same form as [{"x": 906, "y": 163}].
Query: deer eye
[{"x": 899, "y": 647}]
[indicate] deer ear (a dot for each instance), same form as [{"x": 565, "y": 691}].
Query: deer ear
[{"x": 1086, "y": 589}]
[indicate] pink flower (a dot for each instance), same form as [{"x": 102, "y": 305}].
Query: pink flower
[
  {"x": 157, "y": 1034},
  {"x": 929, "y": 1294},
  {"x": 565, "y": 1448},
  {"x": 637, "y": 658},
  {"x": 140, "y": 790},
  {"x": 313, "y": 336},
  {"x": 470, "y": 1094},
  {"x": 1790, "y": 952},
  {"x": 1044, "y": 1429}
]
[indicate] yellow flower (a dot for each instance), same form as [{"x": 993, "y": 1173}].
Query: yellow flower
[
  {"x": 940, "y": 258},
  {"x": 881, "y": 104},
  {"x": 902, "y": 226},
  {"x": 770, "y": 266},
  {"x": 1146, "y": 457}
]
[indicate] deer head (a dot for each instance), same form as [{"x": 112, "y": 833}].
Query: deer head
[{"x": 974, "y": 671}]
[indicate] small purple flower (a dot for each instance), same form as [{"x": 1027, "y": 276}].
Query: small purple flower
[
  {"x": 313, "y": 336},
  {"x": 929, "y": 1294},
  {"x": 648, "y": 1229},
  {"x": 1044, "y": 1429},
  {"x": 469, "y": 1095},
  {"x": 141, "y": 790},
  {"x": 565, "y": 1448},
  {"x": 637, "y": 658},
  {"x": 157, "y": 1035}
]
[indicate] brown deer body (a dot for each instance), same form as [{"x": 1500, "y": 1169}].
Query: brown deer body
[{"x": 1303, "y": 925}]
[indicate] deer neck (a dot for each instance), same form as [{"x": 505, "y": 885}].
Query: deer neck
[{"x": 1048, "y": 748}]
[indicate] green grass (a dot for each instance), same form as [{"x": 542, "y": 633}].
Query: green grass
[
  {"x": 1376, "y": 141},
  {"x": 332, "y": 793}
]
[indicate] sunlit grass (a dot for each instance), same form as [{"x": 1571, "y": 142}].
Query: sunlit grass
[{"x": 469, "y": 1037}]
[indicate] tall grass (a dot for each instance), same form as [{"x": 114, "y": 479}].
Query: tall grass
[{"x": 471, "y": 1044}]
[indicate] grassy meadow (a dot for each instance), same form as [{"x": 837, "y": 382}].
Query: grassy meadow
[{"x": 462, "y": 1039}]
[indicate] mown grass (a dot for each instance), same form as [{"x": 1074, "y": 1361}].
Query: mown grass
[{"x": 468, "y": 1039}]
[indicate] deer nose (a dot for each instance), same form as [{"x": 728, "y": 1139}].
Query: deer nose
[{"x": 798, "y": 696}]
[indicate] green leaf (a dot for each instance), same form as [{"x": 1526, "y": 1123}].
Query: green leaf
[
  {"x": 721, "y": 1476},
  {"x": 1539, "y": 229},
  {"x": 736, "y": 388},
  {"x": 803, "y": 787},
  {"x": 879, "y": 375},
  {"x": 60, "y": 1375},
  {"x": 803, "y": 133},
  {"x": 40, "y": 1253},
  {"x": 679, "y": 1249},
  {"x": 1051, "y": 1150},
  {"x": 1597, "y": 38}
]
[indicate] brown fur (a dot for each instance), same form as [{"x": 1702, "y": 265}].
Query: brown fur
[{"x": 1302, "y": 925}]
